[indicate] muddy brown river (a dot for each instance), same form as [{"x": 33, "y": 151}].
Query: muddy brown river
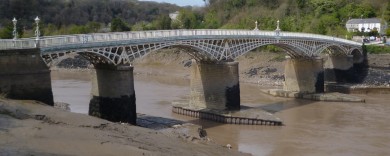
[{"x": 311, "y": 128}]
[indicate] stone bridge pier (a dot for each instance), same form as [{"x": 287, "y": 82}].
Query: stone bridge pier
[
  {"x": 113, "y": 95},
  {"x": 304, "y": 75},
  {"x": 24, "y": 75},
  {"x": 339, "y": 68},
  {"x": 215, "y": 85},
  {"x": 345, "y": 68}
]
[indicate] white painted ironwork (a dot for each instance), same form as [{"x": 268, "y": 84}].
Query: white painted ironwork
[
  {"x": 37, "y": 33},
  {"x": 15, "y": 32},
  {"x": 256, "y": 27},
  {"x": 219, "y": 45}
]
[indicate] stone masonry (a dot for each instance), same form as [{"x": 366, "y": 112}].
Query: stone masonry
[
  {"x": 215, "y": 85},
  {"x": 304, "y": 75},
  {"x": 24, "y": 75},
  {"x": 113, "y": 95}
]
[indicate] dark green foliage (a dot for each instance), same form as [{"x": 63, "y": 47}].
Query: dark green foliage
[
  {"x": 7, "y": 31},
  {"x": 326, "y": 17},
  {"x": 163, "y": 22},
  {"x": 188, "y": 19},
  {"x": 388, "y": 32},
  {"x": 80, "y": 12},
  {"x": 117, "y": 25},
  {"x": 373, "y": 49}
]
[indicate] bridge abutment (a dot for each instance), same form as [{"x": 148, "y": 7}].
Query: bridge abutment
[
  {"x": 113, "y": 95},
  {"x": 304, "y": 75},
  {"x": 215, "y": 85},
  {"x": 25, "y": 76}
]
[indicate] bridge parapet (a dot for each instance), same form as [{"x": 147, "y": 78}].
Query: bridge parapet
[
  {"x": 50, "y": 41},
  {"x": 218, "y": 44}
]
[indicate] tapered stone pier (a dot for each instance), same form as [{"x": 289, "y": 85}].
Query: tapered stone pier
[
  {"x": 339, "y": 68},
  {"x": 304, "y": 75},
  {"x": 24, "y": 75},
  {"x": 215, "y": 85},
  {"x": 113, "y": 95},
  {"x": 215, "y": 95}
]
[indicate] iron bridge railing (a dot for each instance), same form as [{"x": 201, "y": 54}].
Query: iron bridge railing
[{"x": 63, "y": 40}]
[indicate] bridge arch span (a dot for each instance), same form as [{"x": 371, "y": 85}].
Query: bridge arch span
[
  {"x": 292, "y": 51},
  {"x": 94, "y": 56}
]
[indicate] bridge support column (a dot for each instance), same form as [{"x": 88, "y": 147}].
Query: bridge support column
[
  {"x": 113, "y": 95},
  {"x": 304, "y": 75},
  {"x": 215, "y": 85},
  {"x": 339, "y": 69},
  {"x": 24, "y": 75}
]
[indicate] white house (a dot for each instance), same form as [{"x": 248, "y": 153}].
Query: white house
[
  {"x": 174, "y": 15},
  {"x": 366, "y": 25}
]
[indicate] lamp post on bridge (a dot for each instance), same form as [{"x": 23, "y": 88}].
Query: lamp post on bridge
[
  {"x": 37, "y": 32},
  {"x": 277, "y": 30},
  {"x": 256, "y": 27},
  {"x": 15, "y": 32}
]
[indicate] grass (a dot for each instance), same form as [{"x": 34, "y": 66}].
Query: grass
[{"x": 373, "y": 49}]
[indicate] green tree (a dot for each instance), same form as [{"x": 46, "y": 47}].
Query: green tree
[
  {"x": 387, "y": 13},
  {"x": 211, "y": 21},
  {"x": 163, "y": 22},
  {"x": 117, "y": 25},
  {"x": 187, "y": 18},
  {"x": 93, "y": 27},
  {"x": 139, "y": 26},
  {"x": 301, "y": 3},
  {"x": 50, "y": 29},
  {"x": 77, "y": 29},
  {"x": 7, "y": 31}
]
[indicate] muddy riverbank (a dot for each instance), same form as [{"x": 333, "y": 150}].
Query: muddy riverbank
[{"x": 32, "y": 128}]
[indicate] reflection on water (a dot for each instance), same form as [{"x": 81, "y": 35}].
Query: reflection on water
[{"x": 311, "y": 128}]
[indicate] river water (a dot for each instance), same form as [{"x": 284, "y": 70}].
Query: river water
[{"x": 311, "y": 128}]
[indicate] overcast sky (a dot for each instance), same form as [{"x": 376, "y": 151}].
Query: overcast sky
[{"x": 181, "y": 2}]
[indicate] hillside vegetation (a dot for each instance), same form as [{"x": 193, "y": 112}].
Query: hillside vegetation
[
  {"x": 84, "y": 16},
  {"x": 75, "y": 16},
  {"x": 314, "y": 16}
]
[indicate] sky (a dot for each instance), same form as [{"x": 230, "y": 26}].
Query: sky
[{"x": 181, "y": 2}]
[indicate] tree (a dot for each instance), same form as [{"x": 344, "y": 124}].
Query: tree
[
  {"x": 77, "y": 29},
  {"x": 373, "y": 32},
  {"x": 117, "y": 25},
  {"x": 163, "y": 22},
  {"x": 6, "y": 32},
  {"x": 301, "y": 3},
  {"x": 188, "y": 19},
  {"x": 93, "y": 27},
  {"x": 387, "y": 13},
  {"x": 211, "y": 21}
]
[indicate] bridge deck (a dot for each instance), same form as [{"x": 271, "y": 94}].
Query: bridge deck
[{"x": 63, "y": 40}]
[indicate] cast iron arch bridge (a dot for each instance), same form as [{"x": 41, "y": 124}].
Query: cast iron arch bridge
[
  {"x": 214, "y": 74},
  {"x": 218, "y": 45}
]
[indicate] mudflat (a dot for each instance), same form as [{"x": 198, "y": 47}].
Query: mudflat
[{"x": 32, "y": 128}]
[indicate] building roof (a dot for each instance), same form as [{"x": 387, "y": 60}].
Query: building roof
[{"x": 363, "y": 20}]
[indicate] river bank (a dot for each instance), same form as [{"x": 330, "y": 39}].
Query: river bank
[{"x": 32, "y": 128}]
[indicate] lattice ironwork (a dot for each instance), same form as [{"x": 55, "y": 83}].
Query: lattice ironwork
[{"x": 217, "y": 45}]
